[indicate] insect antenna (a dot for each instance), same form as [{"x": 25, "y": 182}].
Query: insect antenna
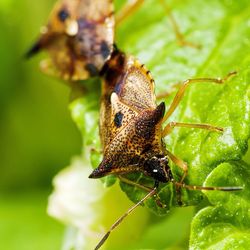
[
  {"x": 130, "y": 210},
  {"x": 36, "y": 47},
  {"x": 193, "y": 187}
]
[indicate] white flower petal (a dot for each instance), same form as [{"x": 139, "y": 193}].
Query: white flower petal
[{"x": 76, "y": 201}]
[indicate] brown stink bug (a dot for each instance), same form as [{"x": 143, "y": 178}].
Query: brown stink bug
[
  {"x": 132, "y": 131},
  {"x": 79, "y": 38}
]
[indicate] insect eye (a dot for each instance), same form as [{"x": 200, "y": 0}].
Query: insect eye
[{"x": 63, "y": 15}]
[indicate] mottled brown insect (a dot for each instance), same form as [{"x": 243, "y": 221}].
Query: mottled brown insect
[
  {"x": 79, "y": 38},
  {"x": 132, "y": 131},
  {"x": 129, "y": 119}
]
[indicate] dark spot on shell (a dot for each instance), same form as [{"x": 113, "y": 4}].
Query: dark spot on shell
[
  {"x": 105, "y": 50},
  {"x": 92, "y": 69},
  {"x": 63, "y": 15},
  {"x": 118, "y": 119}
]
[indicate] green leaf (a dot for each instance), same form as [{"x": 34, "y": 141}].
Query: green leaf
[
  {"x": 222, "y": 30},
  {"x": 225, "y": 225}
]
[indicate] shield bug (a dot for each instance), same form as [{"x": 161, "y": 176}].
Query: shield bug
[
  {"x": 132, "y": 130},
  {"x": 78, "y": 37}
]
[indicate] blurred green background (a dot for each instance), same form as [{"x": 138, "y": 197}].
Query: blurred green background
[{"x": 37, "y": 134}]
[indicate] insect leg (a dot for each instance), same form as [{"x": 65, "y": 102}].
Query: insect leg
[
  {"x": 130, "y": 7},
  {"x": 170, "y": 126},
  {"x": 97, "y": 151},
  {"x": 165, "y": 94},
  {"x": 193, "y": 187},
  {"x": 179, "y": 36},
  {"x": 181, "y": 91},
  {"x": 118, "y": 222},
  {"x": 183, "y": 165},
  {"x": 127, "y": 181},
  {"x": 180, "y": 163},
  {"x": 145, "y": 188}
]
